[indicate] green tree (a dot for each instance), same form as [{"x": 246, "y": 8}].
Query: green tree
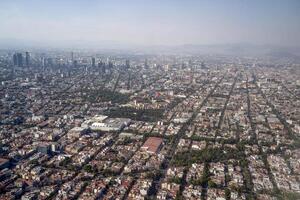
[{"x": 227, "y": 194}]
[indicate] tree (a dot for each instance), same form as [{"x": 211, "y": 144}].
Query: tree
[
  {"x": 212, "y": 184},
  {"x": 227, "y": 194},
  {"x": 65, "y": 161},
  {"x": 88, "y": 168}
]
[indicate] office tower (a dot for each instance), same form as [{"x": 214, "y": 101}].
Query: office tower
[
  {"x": 101, "y": 66},
  {"x": 72, "y": 57},
  {"x": 27, "y": 59},
  {"x": 93, "y": 62},
  {"x": 15, "y": 59},
  {"x": 110, "y": 65},
  {"x": 20, "y": 59},
  {"x": 49, "y": 62},
  {"x": 146, "y": 64},
  {"x": 75, "y": 63},
  {"x": 43, "y": 61},
  {"x": 203, "y": 66},
  {"x": 127, "y": 65}
]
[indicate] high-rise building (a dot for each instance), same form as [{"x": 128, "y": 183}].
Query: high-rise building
[
  {"x": 101, "y": 66},
  {"x": 110, "y": 65},
  {"x": 15, "y": 59},
  {"x": 203, "y": 66},
  {"x": 75, "y": 63},
  {"x": 127, "y": 65},
  {"x": 43, "y": 61},
  {"x": 93, "y": 62},
  {"x": 72, "y": 57},
  {"x": 146, "y": 64},
  {"x": 27, "y": 59},
  {"x": 18, "y": 59},
  {"x": 49, "y": 62}
]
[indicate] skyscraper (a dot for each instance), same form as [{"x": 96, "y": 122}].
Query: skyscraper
[
  {"x": 49, "y": 62},
  {"x": 101, "y": 66},
  {"x": 43, "y": 61},
  {"x": 203, "y": 66},
  {"x": 110, "y": 65},
  {"x": 72, "y": 57},
  {"x": 18, "y": 59},
  {"x": 75, "y": 63},
  {"x": 146, "y": 64},
  {"x": 93, "y": 62},
  {"x": 127, "y": 65},
  {"x": 15, "y": 59},
  {"x": 27, "y": 59}
]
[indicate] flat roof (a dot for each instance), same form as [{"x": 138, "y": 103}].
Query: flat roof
[{"x": 152, "y": 144}]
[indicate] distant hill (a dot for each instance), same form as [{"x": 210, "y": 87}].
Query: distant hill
[{"x": 271, "y": 51}]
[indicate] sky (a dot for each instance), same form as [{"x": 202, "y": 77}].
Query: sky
[{"x": 152, "y": 22}]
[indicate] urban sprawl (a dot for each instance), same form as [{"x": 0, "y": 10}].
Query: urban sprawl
[{"x": 85, "y": 125}]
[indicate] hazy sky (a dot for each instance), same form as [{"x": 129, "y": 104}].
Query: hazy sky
[{"x": 152, "y": 22}]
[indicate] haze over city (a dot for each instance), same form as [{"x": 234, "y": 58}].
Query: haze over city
[
  {"x": 149, "y": 100},
  {"x": 134, "y": 22}
]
